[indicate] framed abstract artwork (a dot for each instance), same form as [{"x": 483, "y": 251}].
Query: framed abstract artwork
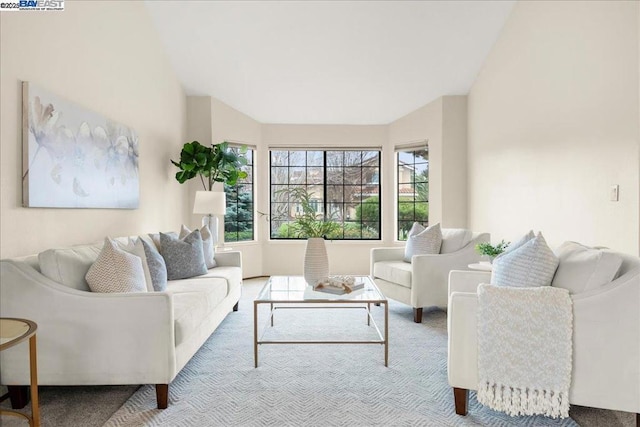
[{"x": 73, "y": 157}]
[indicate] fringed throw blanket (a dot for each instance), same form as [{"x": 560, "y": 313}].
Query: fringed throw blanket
[{"x": 524, "y": 349}]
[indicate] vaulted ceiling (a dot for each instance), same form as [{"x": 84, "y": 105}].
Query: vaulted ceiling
[{"x": 332, "y": 62}]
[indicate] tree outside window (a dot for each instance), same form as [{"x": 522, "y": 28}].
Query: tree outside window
[{"x": 239, "y": 219}]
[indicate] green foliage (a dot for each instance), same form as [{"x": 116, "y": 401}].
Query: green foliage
[
  {"x": 491, "y": 250},
  {"x": 216, "y": 163},
  {"x": 238, "y": 221},
  {"x": 369, "y": 212},
  {"x": 309, "y": 223}
]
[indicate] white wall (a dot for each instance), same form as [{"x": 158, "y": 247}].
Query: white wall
[
  {"x": 212, "y": 121},
  {"x": 553, "y": 124},
  {"x": 345, "y": 257},
  {"x": 106, "y": 57},
  {"x": 443, "y": 123}
]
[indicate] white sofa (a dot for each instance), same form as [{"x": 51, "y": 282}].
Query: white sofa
[
  {"x": 606, "y": 340},
  {"x": 423, "y": 281},
  {"x": 87, "y": 338}
]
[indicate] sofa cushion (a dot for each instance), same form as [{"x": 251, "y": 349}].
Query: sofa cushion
[
  {"x": 193, "y": 301},
  {"x": 69, "y": 266},
  {"x": 582, "y": 268},
  {"x": 393, "y": 271},
  {"x": 207, "y": 244},
  {"x": 423, "y": 241},
  {"x": 116, "y": 270},
  {"x": 454, "y": 239},
  {"x": 532, "y": 264},
  {"x": 157, "y": 266},
  {"x": 184, "y": 257},
  {"x": 230, "y": 274}
]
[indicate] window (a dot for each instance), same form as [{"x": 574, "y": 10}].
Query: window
[
  {"x": 343, "y": 186},
  {"x": 413, "y": 190},
  {"x": 238, "y": 222}
]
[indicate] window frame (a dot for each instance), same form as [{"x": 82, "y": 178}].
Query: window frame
[
  {"x": 399, "y": 221},
  {"x": 252, "y": 222},
  {"x": 323, "y": 203}
]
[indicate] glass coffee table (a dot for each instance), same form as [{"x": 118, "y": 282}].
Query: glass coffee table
[{"x": 292, "y": 292}]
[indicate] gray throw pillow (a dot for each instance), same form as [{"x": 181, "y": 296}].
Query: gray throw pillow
[
  {"x": 207, "y": 244},
  {"x": 157, "y": 266},
  {"x": 423, "y": 241},
  {"x": 532, "y": 264},
  {"x": 184, "y": 257}
]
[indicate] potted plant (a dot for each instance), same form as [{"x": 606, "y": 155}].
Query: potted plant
[
  {"x": 315, "y": 227},
  {"x": 490, "y": 250},
  {"x": 215, "y": 163}
]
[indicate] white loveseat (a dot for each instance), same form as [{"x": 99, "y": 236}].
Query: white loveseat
[
  {"x": 423, "y": 281},
  {"x": 87, "y": 338},
  {"x": 606, "y": 339}
]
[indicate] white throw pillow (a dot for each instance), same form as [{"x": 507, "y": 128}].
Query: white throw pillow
[
  {"x": 207, "y": 244},
  {"x": 454, "y": 239},
  {"x": 515, "y": 245},
  {"x": 532, "y": 264},
  {"x": 423, "y": 241},
  {"x": 582, "y": 268},
  {"x": 134, "y": 247},
  {"x": 69, "y": 266},
  {"x": 116, "y": 271}
]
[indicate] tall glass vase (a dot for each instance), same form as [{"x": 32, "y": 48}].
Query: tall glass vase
[{"x": 316, "y": 262}]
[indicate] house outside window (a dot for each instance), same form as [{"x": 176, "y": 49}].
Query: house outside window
[
  {"x": 343, "y": 186},
  {"x": 239, "y": 219},
  {"x": 412, "y": 190}
]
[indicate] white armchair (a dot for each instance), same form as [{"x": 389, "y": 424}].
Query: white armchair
[
  {"x": 606, "y": 340},
  {"x": 423, "y": 282}
]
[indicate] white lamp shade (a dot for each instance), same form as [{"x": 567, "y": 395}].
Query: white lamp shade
[{"x": 210, "y": 202}]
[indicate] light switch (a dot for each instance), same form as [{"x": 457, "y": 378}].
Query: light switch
[{"x": 615, "y": 190}]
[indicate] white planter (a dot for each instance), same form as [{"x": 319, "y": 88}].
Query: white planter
[{"x": 316, "y": 262}]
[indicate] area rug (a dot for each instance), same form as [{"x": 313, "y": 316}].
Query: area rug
[{"x": 317, "y": 385}]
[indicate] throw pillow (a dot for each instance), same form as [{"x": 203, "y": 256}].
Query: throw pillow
[
  {"x": 423, "y": 241},
  {"x": 184, "y": 257},
  {"x": 454, "y": 239},
  {"x": 69, "y": 266},
  {"x": 582, "y": 268},
  {"x": 155, "y": 238},
  {"x": 116, "y": 271},
  {"x": 207, "y": 244},
  {"x": 515, "y": 245},
  {"x": 157, "y": 266},
  {"x": 134, "y": 247},
  {"x": 532, "y": 264}
]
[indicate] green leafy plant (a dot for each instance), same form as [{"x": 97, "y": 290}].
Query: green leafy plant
[
  {"x": 490, "y": 250},
  {"x": 215, "y": 163},
  {"x": 308, "y": 223}
]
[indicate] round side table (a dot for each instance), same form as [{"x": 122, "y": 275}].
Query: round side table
[
  {"x": 14, "y": 331},
  {"x": 480, "y": 266}
]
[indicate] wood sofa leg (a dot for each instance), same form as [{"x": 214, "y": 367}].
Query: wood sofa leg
[
  {"x": 162, "y": 395},
  {"x": 235, "y": 307},
  {"x": 417, "y": 315},
  {"x": 637, "y": 420},
  {"x": 461, "y": 398},
  {"x": 18, "y": 395}
]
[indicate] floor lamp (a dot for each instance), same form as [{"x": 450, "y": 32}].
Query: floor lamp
[{"x": 212, "y": 204}]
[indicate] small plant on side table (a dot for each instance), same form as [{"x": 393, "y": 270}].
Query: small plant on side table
[{"x": 490, "y": 250}]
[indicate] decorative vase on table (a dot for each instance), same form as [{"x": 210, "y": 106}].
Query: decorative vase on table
[{"x": 316, "y": 262}]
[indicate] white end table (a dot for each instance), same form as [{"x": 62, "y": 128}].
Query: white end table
[{"x": 482, "y": 266}]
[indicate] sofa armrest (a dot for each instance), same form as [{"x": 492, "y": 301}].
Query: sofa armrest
[
  {"x": 462, "y": 365},
  {"x": 229, "y": 259},
  {"x": 90, "y": 338},
  {"x": 467, "y": 281}
]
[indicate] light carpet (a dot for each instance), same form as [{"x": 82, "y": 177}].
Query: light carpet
[{"x": 317, "y": 385}]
